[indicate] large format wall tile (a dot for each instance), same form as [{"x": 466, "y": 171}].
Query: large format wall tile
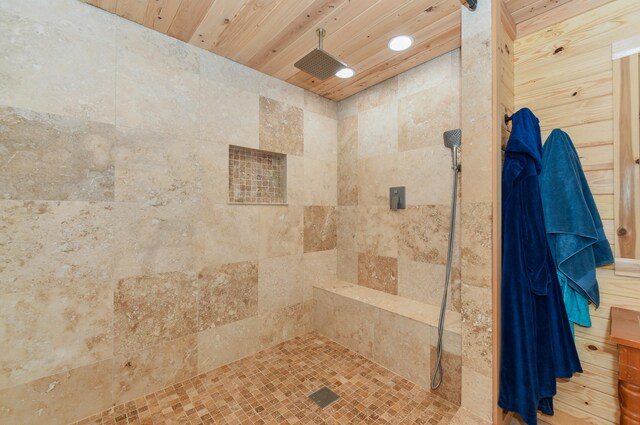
[
  {"x": 346, "y": 321},
  {"x": 476, "y": 329},
  {"x": 403, "y": 345},
  {"x": 476, "y": 243},
  {"x": 59, "y": 399},
  {"x": 156, "y": 169},
  {"x": 424, "y": 116},
  {"x": 137, "y": 373},
  {"x": 229, "y": 233},
  {"x": 347, "y": 267},
  {"x": 318, "y": 267},
  {"x": 378, "y": 272},
  {"x": 153, "y": 309},
  {"x": 320, "y": 105},
  {"x": 156, "y": 239},
  {"x": 433, "y": 73},
  {"x": 425, "y": 282},
  {"x": 320, "y": 182},
  {"x": 320, "y": 137},
  {"x": 280, "y": 283},
  {"x": 424, "y": 234},
  {"x": 281, "y": 127},
  {"x": 382, "y": 93},
  {"x": 377, "y": 231},
  {"x": 428, "y": 175},
  {"x": 157, "y": 81},
  {"x": 281, "y": 231},
  {"x": 320, "y": 228},
  {"x": 377, "y": 130},
  {"x": 228, "y": 73},
  {"x": 227, "y": 343},
  {"x": 348, "y": 161},
  {"x": 348, "y": 228},
  {"x": 228, "y": 293},
  {"x": 51, "y": 157},
  {"x": 66, "y": 240},
  {"x": 376, "y": 175},
  {"x": 53, "y": 326},
  {"x": 60, "y": 60},
  {"x": 283, "y": 324},
  {"x": 228, "y": 115}
]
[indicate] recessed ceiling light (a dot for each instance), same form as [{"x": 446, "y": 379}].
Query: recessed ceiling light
[
  {"x": 345, "y": 73},
  {"x": 400, "y": 43}
]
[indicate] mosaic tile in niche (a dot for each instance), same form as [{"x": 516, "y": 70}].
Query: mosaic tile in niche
[
  {"x": 257, "y": 177},
  {"x": 228, "y": 293}
]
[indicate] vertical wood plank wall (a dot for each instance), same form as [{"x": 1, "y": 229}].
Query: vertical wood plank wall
[
  {"x": 626, "y": 132},
  {"x": 564, "y": 74}
]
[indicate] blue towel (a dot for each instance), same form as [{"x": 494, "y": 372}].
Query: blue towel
[
  {"x": 537, "y": 346},
  {"x": 573, "y": 225},
  {"x": 577, "y": 306}
]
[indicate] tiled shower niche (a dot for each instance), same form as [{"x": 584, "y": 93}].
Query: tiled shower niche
[{"x": 257, "y": 177}]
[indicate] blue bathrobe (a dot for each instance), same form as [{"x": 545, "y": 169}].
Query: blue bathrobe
[
  {"x": 537, "y": 345},
  {"x": 574, "y": 228}
]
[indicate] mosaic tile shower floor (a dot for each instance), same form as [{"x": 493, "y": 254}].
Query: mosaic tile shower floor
[{"x": 272, "y": 387}]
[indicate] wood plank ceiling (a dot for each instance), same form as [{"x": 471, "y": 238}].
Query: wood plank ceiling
[
  {"x": 271, "y": 35},
  {"x": 533, "y": 15}
]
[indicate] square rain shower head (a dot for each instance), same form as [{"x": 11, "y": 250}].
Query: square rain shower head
[{"x": 320, "y": 64}]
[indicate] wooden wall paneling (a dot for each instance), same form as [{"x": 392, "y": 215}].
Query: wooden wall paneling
[
  {"x": 591, "y": 134},
  {"x": 556, "y": 15},
  {"x": 568, "y": 415},
  {"x": 547, "y": 80},
  {"x": 626, "y": 87},
  {"x": 522, "y": 10}
]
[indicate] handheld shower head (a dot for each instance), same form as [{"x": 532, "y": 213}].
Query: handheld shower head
[{"x": 452, "y": 140}]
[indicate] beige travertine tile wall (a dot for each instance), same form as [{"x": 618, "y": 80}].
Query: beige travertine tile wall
[
  {"x": 476, "y": 210},
  {"x": 391, "y": 135},
  {"x": 122, "y": 266}
]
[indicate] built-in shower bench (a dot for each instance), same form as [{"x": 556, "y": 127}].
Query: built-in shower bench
[{"x": 397, "y": 332}]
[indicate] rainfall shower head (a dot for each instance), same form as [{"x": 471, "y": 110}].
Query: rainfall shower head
[
  {"x": 452, "y": 138},
  {"x": 318, "y": 62}
]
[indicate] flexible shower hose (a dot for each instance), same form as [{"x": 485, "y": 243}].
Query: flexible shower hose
[{"x": 436, "y": 379}]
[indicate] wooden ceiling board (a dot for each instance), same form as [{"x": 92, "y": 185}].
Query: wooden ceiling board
[
  {"x": 444, "y": 36},
  {"x": 217, "y": 18},
  {"x": 306, "y": 23},
  {"x": 189, "y": 15},
  {"x": 424, "y": 27},
  {"x": 295, "y": 49},
  {"x": 271, "y": 35},
  {"x": 160, "y": 14}
]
